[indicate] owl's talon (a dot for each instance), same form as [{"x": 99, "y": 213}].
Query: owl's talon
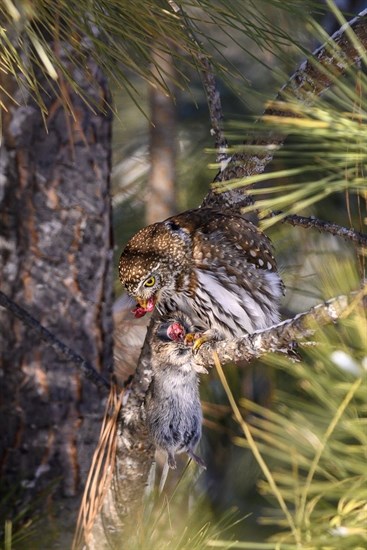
[
  {"x": 199, "y": 342},
  {"x": 196, "y": 340}
]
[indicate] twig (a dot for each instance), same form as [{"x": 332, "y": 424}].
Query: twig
[
  {"x": 327, "y": 227},
  {"x": 87, "y": 369},
  {"x": 211, "y": 90},
  {"x": 280, "y": 337}
]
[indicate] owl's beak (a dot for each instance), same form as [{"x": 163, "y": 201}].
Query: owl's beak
[
  {"x": 145, "y": 306},
  {"x": 148, "y": 305}
]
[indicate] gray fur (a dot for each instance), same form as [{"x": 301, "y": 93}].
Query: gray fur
[{"x": 172, "y": 406}]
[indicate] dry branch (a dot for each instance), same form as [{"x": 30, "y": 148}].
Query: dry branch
[
  {"x": 326, "y": 227},
  {"x": 134, "y": 457},
  {"x": 210, "y": 87},
  {"x": 280, "y": 337}
]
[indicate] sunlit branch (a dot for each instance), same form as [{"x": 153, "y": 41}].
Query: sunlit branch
[
  {"x": 325, "y": 227},
  {"x": 280, "y": 337}
]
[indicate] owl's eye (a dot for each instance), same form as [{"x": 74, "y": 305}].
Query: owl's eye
[{"x": 150, "y": 281}]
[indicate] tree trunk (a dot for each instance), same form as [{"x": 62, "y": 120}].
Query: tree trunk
[{"x": 56, "y": 262}]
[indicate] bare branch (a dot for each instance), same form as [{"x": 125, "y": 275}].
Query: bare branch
[
  {"x": 280, "y": 337},
  {"x": 215, "y": 109},
  {"x": 326, "y": 227},
  {"x": 134, "y": 449},
  {"x": 87, "y": 369},
  {"x": 312, "y": 78},
  {"x": 134, "y": 457}
]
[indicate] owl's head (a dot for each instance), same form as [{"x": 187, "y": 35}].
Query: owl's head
[{"x": 153, "y": 261}]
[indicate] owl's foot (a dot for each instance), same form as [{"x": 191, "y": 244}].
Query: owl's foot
[{"x": 197, "y": 339}]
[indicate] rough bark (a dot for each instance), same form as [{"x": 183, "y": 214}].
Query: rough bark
[
  {"x": 55, "y": 262},
  {"x": 134, "y": 458}
]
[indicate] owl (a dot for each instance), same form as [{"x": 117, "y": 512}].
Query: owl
[
  {"x": 172, "y": 408},
  {"x": 214, "y": 266}
]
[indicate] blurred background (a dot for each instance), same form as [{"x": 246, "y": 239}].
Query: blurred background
[{"x": 314, "y": 265}]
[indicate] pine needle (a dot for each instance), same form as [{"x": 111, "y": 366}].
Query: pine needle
[
  {"x": 323, "y": 442},
  {"x": 100, "y": 472},
  {"x": 255, "y": 450}
]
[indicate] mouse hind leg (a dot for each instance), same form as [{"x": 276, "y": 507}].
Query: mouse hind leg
[{"x": 199, "y": 461}]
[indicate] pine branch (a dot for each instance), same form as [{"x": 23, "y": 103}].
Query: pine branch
[
  {"x": 135, "y": 451},
  {"x": 316, "y": 75},
  {"x": 280, "y": 337},
  {"x": 86, "y": 368},
  {"x": 324, "y": 226}
]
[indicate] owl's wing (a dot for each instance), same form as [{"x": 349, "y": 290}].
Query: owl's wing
[{"x": 232, "y": 239}]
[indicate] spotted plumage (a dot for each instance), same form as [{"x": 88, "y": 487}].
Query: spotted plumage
[{"x": 214, "y": 266}]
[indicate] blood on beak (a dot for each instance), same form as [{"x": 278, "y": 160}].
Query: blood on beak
[
  {"x": 138, "y": 312},
  {"x": 150, "y": 304},
  {"x": 143, "y": 307}
]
